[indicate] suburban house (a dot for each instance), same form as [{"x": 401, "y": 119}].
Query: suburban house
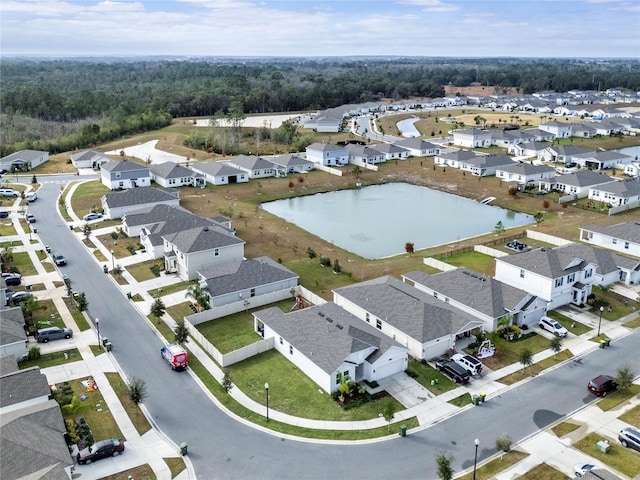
[
  {"x": 606, "y": 127},
  {"x": 89, "y": 159},
  {"x": 124, "y": 174},
  {"x": 632, "y": 169},
  {"x": 581, "y": 130},
  {"x": 328, "y": 154},
  {"x": 220, "y": 173},
  {"x": 391, "y": 151},
  {"x": 623, "y": 237},
  {"x": 558, "y": 129},
  {"x": 328, "y": 343},
  {"x": 562, "y": 153},
  {"x": 507, "y": 138},
  {"x": 483, "y": 297},
  {"x": 560, "y": 275},
  {"x": 363, "y": 154},
  {"x": 472, "y": 138},
  {"x": 255, "y": 167},
  {"x": 524, "y": 173},
  {"x": 169, "y": 175},
  {"x": 483, "y": 165},
  {"x": 13, "y": 338},
  {"x": 426, "y": 326},
  {"x": 418, "y": 147},
  {"x": 578, "y": 183},
  {"x": 31, "y": 427},
  {"x": 454, "y": 159},
  {"x": 188, "y": 251},
  {"x": 23, "y": 160},
  {"x": 529, "y": 149},
  {"x": 118, "y": 204},
  {"x": 292, "y": 164},
  {"x": 241, "y": 280},
  {"x": 540, "y": 135},
  {"x": 602, "y": 160},
  {"x": 616, "y": 193},
  {"x": 324, "y": 122}
]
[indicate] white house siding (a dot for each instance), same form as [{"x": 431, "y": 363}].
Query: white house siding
[
  {"x": 245, "y": 294},
  {"x": 189, "y": 264},
  {"x": 391, "y": 362},
  {"x": 17, "y": 349},
  {"x": 622, "y": 246},
  {"x": 531, "y": 283},
  {"x": 173, "y": 182},
  {"x": 436, "y": 348}
]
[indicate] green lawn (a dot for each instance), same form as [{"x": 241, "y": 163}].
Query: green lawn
[
  {"x": 235, "y": 331},
  {"x": 508, "y": 352},
  {"x": 635, "y": 323},
  {"x": 22, "y": 262},
  {"x": 133, "y": 411},
  {"x": 616, "y": 398},
  {"x": 476, "y": 261},
  {"x": 292, "y": 392},
  {"x": 173, "y": 288},
  {"x": 632, "y": 417},
  {"x": 572, "y": 326},
  {"x": 461, "y": 401},
  {"x": 622, "y": 459},
  {"x": 492, "y": 468},
  {"x": 429, "y": 377},
  {"x": 619, "y": 306},
  {"x": 52, "y": 359},
  {"x": 141, "y": 271},
  {"x": 564, "y": 428},
  {"x": 543, "y": 472},
  {"x": 178, "y": 311},
  {"x": 321, "y": 280},
  {"x": 536, "y": 368}
]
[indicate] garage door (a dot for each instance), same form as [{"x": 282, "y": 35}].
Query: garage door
[{"x": 389, "y": 368}]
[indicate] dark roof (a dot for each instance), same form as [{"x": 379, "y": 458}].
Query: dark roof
[
  {"x": 326, "y": 147},
  {"x": 11, "y": 326},
  {"x": 479, "y": 292},
  {"x": 239, "y": 276},
  {"x": 388, "y": 148},
  {"x": 623, "y": 188},
  {"x": 203, "y": 238},
  {"x": 416, "y": 144},
  {"x": 88, "y": 155},
  {"x": 123, "y": 166},
  {"x": 17, "y": 387},
  {"x": 460, "y": 155},
  {"x": 495, "y": 160},
  {"x": 326, "y": 334},
  {"x": 8, "y": 364},
  {"x": 140, "y": 196}
]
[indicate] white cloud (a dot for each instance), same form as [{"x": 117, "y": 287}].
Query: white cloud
[{"x": 432, "y": 5}]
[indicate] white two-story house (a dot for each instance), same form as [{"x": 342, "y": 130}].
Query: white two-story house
[{"x": 328, "y": 154}]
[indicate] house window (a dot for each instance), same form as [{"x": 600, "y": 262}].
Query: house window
[
  {"x": 379, "y": 324},
  {"x": 435, "y": 294},
  {"x": 338, "y": 378},
  {"x": 253, "y": 292},
  {"x": 290, "y": 349},
  {"x": 367, "y": 317},
  {"x": 588, "y": 273},
  {"x": 559, "y": 282},
  {"x": 281, "y": 341},
  {"x": 614, "y": 241},
  {"x": 626, "y": 245},
  {"x": 446, "y": 299},
  {"x": 571, "y": 278},
  {"x": 521, "y": 273},
  {"x": 121, "y": 184}
]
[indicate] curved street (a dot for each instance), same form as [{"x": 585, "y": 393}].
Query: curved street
[{"x": 222, "y": 447}]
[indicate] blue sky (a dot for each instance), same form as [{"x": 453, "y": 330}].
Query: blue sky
[{"x": 461, "y": 28}]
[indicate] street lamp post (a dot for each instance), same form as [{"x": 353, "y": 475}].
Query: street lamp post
[
  {"x": 600, "y": 321},
  {"x": 98, "y": 329},
  {"x": 113, "y": 261},
  {"x": 475, "y": 459},
  {"x": 266, "y": 389}
]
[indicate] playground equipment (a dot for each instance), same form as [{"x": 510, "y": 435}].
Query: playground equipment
[
  {"x": 487, "y": 349},
  {"x": 299, "y": 305}
]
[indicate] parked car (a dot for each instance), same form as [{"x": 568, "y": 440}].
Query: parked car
[
  {"x": 12, "y": 280},
  {"x": 452, "y": 370},
  {"x": 553, "y": 326},
  {"x": 9, "y": 192},
  {"x": 20, "y": 297},
  {"x": 471, "y": 364},
  {"x": 602, "y": 384},
  {"x": 4, "y": 214},
  {"x": 630, "y": 438},
  {"x": 175, "y": 356},
  {"x": 583, "y": 468},
  {"x": 31, "y": 197},
  {"x": 30, "y": 218},
  {"x": 59, "y": 259},
  {"x": 571, "y": 165},
  {"x": 91, "y": 216},
  {"x": 11, "y": 274},
  {"x": 43, "y": 335},
  {"x": 102, "y": 449}
]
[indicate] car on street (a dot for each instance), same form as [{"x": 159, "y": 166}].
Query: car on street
[
  {"x": 30, "y": 218},
  {"x": 59, "y": 259},
  {"x": 4, "y": 214},
  {"x": 20, "y": 297},
  {"x": 602, "y": 384},
  {"x": 91, "y": 216},
  {"x": 553, "y": 326},
  {"x": 452, "y": 370},
  {"x": 175, "y": 356},
  {"x": 111, "y": 447},
  {"x": 44, "y": 335},
  {"x": 12, "y": 280},
  {"x": 583, "y": 468},
  {"x": 629, "y": 437}
]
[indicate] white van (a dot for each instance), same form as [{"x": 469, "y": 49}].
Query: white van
[{"x": 31, "y": 197}]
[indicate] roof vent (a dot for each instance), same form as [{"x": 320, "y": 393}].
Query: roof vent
[
  {"x": 339, "y": 326},
  {"x": 329, "y": 319},
  {"x": 321, "y": 314},
  {"x": 206, "y": 229}
]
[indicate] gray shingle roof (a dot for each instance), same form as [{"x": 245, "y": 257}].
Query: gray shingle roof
[
  {"x": 251, "y": 162},
  {"x": 200, "y": 239},
  {"x": 567, "y": 150},
  {"x": 17, "y": 387},
  {"x": 479, "y": 292},
  {"x": 629, "y": 231},
  {"x": 413, "y": 312},
  {"x": 123, "y": 166},
  {"x": 526, "y": 169},
  {"x": 325, "y": 147},
  {"x": 624, "y": 188},
  {"x": 239, "y": 276},
  {"x": 216, "y": 169},
  {"x": 495, "y": 160},
  {"x": 171, "y": 170},
  {"x": 11, "y": 326},
  {"x": 389, "y": 148},
  {"x": 326, "y": 334},
  {"x": 24, "y": 155},
  {"x": 140, "y": 196},
  {"x": 362, "y": 151},
  {"x": 290, "y": 161},
  {"x": 583, "y": 178},
  {"x": 88, "y": 155},
  {"x": 416, "y": 144},
  {"x": 460, "y": 155}
]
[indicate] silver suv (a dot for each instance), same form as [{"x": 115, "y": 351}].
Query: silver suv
[
  {"x": 53, "y": 333},
  {"x": 630, "y": 437}
]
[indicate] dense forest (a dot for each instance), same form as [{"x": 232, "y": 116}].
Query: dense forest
[{"x": 58, "y": 105}]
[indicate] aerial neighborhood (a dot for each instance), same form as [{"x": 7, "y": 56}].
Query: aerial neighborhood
[{"x": 351, "y": 338}]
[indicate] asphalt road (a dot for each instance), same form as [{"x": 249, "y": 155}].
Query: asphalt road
[{"x": 223, "y": 448}]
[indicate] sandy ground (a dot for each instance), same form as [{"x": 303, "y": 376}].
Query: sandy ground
[
  {"x": 148, "y": 151},
  {"x": 270, "y": 121}
]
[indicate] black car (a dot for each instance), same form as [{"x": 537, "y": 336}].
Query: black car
[
  {"x": 602, "y": 384},
  {"x": 452, "y": 370},
  {"x": 12, "y": 280},
  {"x": 4, "y": 214},
  {"x": 104, "y": 448}
]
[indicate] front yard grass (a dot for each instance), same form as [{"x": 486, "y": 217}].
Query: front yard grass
[
  {"x": 178, "y": 311},
  {"x": 173, "y": 288},
  {"x": 51, "y": 359},
  {"x": 142, "y": 271},
  {"x": 622, "y": 459},
  {"x": 476, "y": 261},
  {"x": 141, "y": 472},
  {"x": 77, "y": 315},
  {"x": 292, "y": 392},
  {"x": 572, "y": 326},
  {"x": 564, "y": 428},
  {"x": 495, "y": 466},
  {"x": 536, "y": 368},
  {"x": 133, "y": 411},
  {"x": 635, "y": 323},
  {"x": 543, "y": 472},
  {"x": 508, "y": 352},
  {"x": 175, "y": 464},
  {"x": 632, "y": 417},
  {"x": 619, "y": 306},
  {"x": 235, "y": 331},
  {"x": 614, "y": 399},
  {"x": 22, "y": 262},
  {"x": 461, "y": 401},
  {"x": 429, "y": 377}
]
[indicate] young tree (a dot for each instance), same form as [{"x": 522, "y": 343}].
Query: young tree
[
  {"x": 336, "y": 266},
  {"x": 137, "y": 390},
  {"x": 539, "y": 218},
  {"x": 409, "y": 248},
  {"x": 86, "y": 230},
  {"x": 201, "y": 298},
  {"x": 555, "y": 344},
  {"x": 443, "y": 466},
  {"x": 158, "y": 309},
  {"x": 227, "y": 384},
  {"x": 504, "y": 442},
  {"x": 388, "y": 412},
  {"x": 624, "y": 377},
  {"x": 180, "y": 332},
  {"x": 499, "y": 228},
  {"x": 81, "y": 302},
  {"x": 7, "y": 258},
  {"x": 525, "y": 358}
]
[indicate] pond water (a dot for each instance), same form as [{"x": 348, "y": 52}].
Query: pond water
[{"x": 377, "y": 221}]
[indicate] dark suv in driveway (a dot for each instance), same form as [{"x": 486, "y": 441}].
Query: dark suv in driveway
[
  {"x": 451, "y": 369},
  {"x": 602, "y": 384}
]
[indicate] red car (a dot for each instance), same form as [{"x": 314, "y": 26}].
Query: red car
[
  {"x": 104, "y": 448},
  {"x": 602, "y": 385}
]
